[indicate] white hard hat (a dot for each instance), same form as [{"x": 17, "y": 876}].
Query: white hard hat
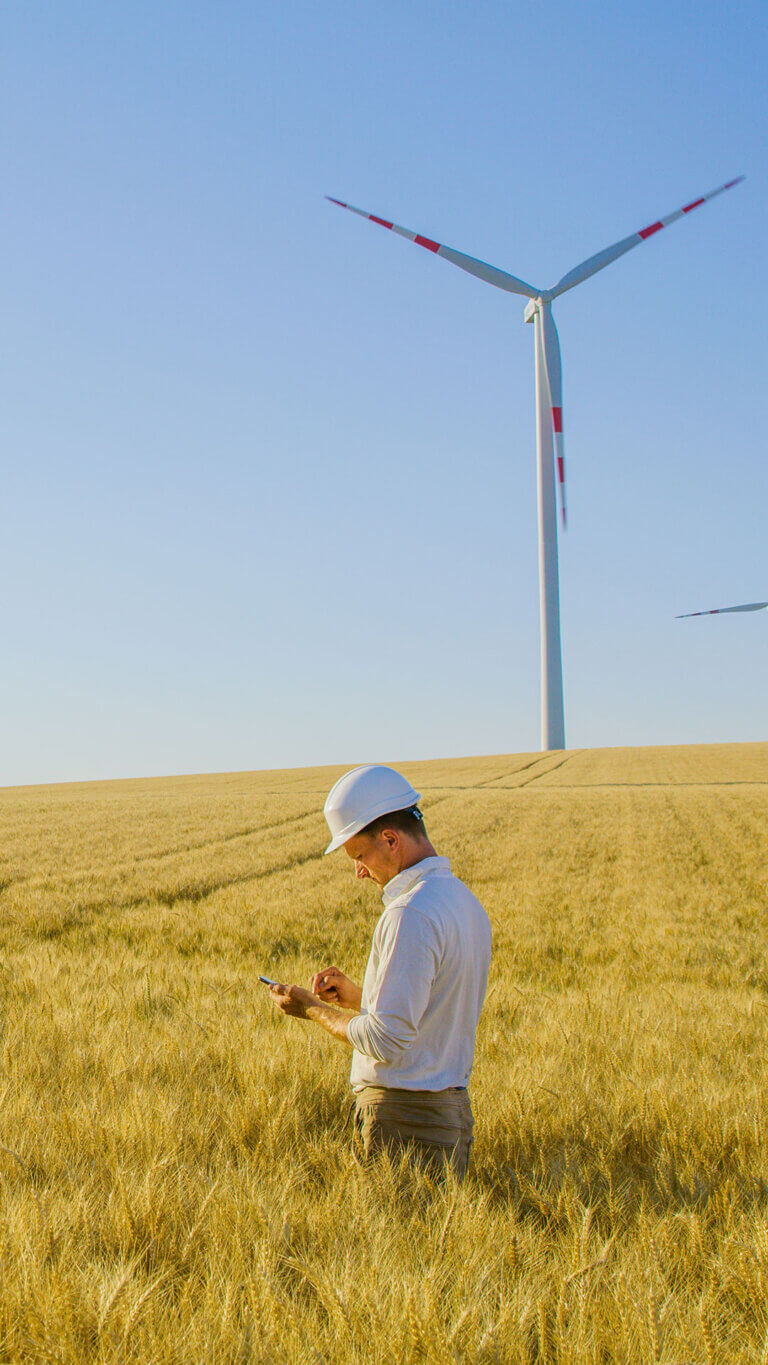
[{"x": 360, "y": 796}]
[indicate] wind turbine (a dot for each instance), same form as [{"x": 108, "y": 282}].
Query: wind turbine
[
  {"x": 549, "y": 424},
  {"x": 717, "y": 611}
]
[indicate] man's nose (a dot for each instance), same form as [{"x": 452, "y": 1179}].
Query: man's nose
[{"x": 361, "y": 872}]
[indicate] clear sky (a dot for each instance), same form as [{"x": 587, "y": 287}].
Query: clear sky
[{"x": 268, "y": 491}]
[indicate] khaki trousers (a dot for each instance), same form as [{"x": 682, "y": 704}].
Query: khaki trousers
[{"x": 432, "y": 1127}]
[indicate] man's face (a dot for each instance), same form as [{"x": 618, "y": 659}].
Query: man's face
[{"x": 375, "y": 855}]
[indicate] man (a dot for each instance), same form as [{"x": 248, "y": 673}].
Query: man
[{"x": 413, "y": 1022}]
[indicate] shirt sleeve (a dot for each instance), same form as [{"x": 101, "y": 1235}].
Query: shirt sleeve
[{"x": 408, "y": 960}]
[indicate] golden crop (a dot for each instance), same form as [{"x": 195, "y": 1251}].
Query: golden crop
[{"x": 176, "y": 1183}]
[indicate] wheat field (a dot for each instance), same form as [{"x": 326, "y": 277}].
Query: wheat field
[{"x": 176, "y": 1179}]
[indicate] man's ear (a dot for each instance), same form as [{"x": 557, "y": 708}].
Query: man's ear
[{"x": 392, "y": 837}]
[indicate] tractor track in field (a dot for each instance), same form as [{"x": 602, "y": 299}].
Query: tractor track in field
[
  {"x": 496, "y": 783},
  {"x": 213, "y": 843},
  {"x": 196, "y": 892},
  {"x": 193, "y": 892},
  {"x": 86, "y": 874},
  {"x": 502, "y": 777},
  {"x": 545, "y": 773},
  {"x": 668, "y": 786},
  {"x": 524, "y": 767}
]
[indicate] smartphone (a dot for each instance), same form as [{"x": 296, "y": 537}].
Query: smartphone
[{"x": 267, "y": 980}]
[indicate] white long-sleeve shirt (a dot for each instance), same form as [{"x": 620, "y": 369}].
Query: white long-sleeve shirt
[{"x": 424, "y": 983}]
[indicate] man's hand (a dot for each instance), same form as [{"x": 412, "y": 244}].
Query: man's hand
[
  {"x": 334, "y": 987},
  {"x": 292, "y": 1000}
]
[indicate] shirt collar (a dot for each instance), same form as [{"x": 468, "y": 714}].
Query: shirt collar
[{"x": 405, "y": 879}]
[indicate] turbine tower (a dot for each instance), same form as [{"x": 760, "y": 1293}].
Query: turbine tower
[{"x": 549, "y": 425}]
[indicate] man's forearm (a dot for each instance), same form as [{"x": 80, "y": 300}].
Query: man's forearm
[{"x": 332, "y": 1020}]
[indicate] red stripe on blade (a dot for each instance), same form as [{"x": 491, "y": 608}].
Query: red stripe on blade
[
  {"x": 694, "y": 205},
  {"x": 737, "y": 181},
  {"x": 381, "y": 221},
  {"x": 557, "y": 419},
  {"x": 560, "y": 469},
  {"x": 428, "y": 243},
  {"x": 649, "y": 231}
]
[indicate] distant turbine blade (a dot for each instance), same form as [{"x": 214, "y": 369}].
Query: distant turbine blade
[
  {"x": 554, "y": 374},
  {"x": 716, "y": 611},
  {"x": 489, "y": 273},
  {"x": 612, "y": 253}
]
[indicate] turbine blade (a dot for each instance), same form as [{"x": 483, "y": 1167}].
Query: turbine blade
[
  {"x": 554, "y": 374},
  {"x": 716, "y": 611},
  {"x": 612, "y": 253},
  {"x": 500, "y": 278}
]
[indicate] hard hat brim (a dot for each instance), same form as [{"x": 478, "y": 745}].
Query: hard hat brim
[{"x": 338, "y": 842}]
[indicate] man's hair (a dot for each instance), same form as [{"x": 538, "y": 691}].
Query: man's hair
[{"x": 408, "y": 821}]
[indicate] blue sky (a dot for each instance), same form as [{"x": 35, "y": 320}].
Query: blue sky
[{"x": 269, "y": 480}]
